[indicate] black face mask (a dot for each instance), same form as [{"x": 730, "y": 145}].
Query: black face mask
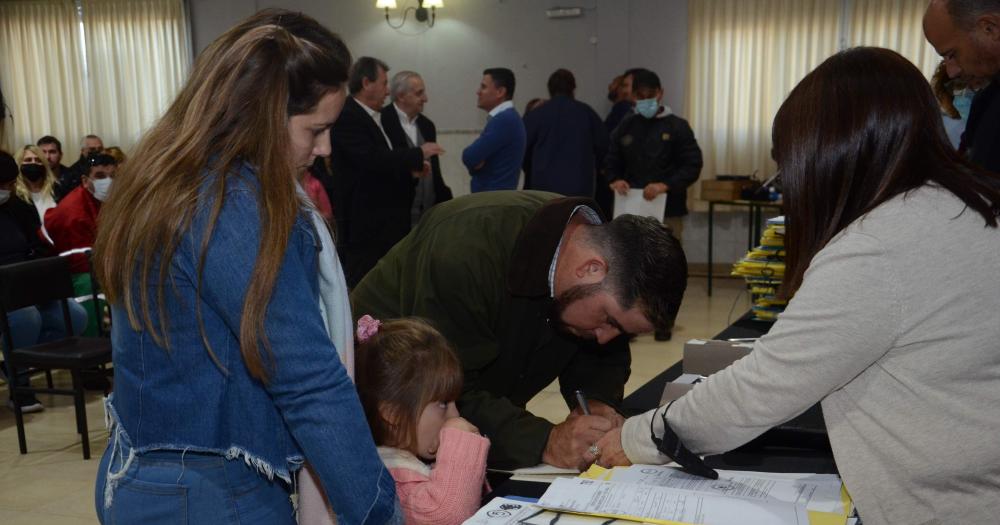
[{"x": 33, "y": 172}]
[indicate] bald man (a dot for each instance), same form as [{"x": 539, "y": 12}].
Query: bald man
[{"x": 966, "y": 33}]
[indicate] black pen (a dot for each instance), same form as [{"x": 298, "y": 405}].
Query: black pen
[{"x": 582, "y": 401}]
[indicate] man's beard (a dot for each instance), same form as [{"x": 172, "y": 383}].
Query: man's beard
[{"x": 563, "y": 301}]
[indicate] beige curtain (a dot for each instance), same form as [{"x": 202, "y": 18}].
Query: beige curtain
[
  {"x": 138, "y": 56},
  {"x": 745, "y": 56},
  {"x": 41, "y": 72},
  {"x": 893, "y": 24},
  {"x": 113, "y": 73}
]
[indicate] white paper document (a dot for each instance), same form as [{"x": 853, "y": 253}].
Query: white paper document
[
  {"x": 635, "y": 204},
  {"x": 663, "y": 504},
  {"x": 813, "y": 491},
  {"x": 503, "y": 511},
  {"x": 542, "y": 472}
]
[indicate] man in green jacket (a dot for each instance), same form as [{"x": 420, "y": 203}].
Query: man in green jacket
[{"x": 529, "y": 287}]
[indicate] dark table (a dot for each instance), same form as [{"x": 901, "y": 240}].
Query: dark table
[{"x": 801, "y": 445}]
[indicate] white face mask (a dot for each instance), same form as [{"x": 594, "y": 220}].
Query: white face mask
[
  {"x": 4, "y": 195},
  {"x": 101, "y": 188}
]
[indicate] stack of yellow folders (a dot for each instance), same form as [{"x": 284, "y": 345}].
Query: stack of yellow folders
[
  {"x": 667, "y": 496},
  {"x": 764, "y": 268}
]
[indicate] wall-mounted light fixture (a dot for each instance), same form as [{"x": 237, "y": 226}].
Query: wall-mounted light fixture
[{"x": 420, "y": 12}]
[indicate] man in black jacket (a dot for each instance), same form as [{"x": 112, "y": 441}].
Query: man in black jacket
[
  {"x": 655, "y": 150},
  {"x": 566, "y": 141},
  {"x": 373, "y": 184},
  {"x": 52, "y": 149},
  {"x": 91, "y": 145},
  {"x": 967, "y": 35},
  {"x": 407, "y": 127}
]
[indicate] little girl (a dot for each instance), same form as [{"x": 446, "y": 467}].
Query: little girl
[{"x": 408, "y": 379}]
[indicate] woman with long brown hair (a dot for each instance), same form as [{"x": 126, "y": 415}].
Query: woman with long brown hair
[
  {"x": 894, "y": 325},
  {"x": 232, "y": 333}
]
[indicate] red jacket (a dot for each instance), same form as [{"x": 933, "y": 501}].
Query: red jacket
[{"x": 73, "y": 224}]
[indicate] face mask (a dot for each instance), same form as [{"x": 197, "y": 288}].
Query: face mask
[
  {"x": 963, "y": 102},
  {"x": 647, "y": 107},
  {"x": 101, "y": 188},
  {"x": 4, "y": 195},
  {"x": 33, "y": 172}
]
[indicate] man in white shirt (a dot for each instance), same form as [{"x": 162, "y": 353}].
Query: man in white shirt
[
  {"x": 373, "y": 182},
  {"x": 406, "y": 126}
]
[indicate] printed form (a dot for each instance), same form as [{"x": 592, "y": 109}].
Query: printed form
[
  {"x": 816, "y": 492},
  {"x": 657, "y": 504}
]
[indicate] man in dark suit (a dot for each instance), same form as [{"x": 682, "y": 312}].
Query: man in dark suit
[
  {"x": 373, "y": 183},
  {"x": 967, "y": 36},
  {"x": 407, "y": 127}
]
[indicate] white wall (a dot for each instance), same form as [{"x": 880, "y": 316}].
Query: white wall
[{"x": 470, "y": 35}]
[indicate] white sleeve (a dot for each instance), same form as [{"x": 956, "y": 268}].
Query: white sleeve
[{"x": 843, "y": 318}]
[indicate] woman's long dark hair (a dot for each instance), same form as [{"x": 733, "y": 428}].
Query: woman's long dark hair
[{"x": 860, "y": 129}]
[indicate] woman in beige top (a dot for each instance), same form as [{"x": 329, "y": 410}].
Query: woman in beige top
[{"x": 894, "y": 326}]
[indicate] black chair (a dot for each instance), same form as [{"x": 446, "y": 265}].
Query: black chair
[{"x": 38, "y": 282}]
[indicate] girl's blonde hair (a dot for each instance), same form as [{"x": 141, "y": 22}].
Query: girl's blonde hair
[
  {"x": 49, "y": 182},
  {"x": 233, "y": 110},
  {"x": 399, "y": 371}
]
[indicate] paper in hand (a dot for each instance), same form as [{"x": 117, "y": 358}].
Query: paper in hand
[{"x": 635, "y": 204}]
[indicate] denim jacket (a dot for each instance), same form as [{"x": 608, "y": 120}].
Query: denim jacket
[{"x": 179, "y": 399}]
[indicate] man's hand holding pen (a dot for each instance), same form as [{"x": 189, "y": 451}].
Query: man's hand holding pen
[{"x": 573, "y": 443}]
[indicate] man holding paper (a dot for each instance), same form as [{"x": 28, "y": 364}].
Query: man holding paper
[{"x": 654, "y": 150}]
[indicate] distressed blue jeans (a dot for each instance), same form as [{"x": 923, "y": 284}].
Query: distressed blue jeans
[{"x": 187, "y": 488}]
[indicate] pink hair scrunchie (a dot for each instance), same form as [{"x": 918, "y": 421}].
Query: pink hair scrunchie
[{"x": 367, "y": 327}]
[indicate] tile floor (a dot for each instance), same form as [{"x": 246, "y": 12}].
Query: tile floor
[{"x": 53, "y": 485}]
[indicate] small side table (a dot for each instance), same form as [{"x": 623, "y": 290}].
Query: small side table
[{"x": 754, "y": 229}]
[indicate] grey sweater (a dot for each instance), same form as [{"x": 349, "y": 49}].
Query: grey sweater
[{"x": 896, "y": 329}]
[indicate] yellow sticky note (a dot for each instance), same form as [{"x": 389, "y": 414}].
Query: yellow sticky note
[
  {"x": 594, "y": 472},
  {"x": 833, "y": 518}
]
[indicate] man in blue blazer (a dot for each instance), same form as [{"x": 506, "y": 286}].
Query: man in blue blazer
[{"x": 494, "y": 159}]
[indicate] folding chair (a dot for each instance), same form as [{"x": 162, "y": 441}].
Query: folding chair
[{"x": 39, "y": 282}]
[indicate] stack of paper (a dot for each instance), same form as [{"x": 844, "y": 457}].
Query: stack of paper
[
  {"x": 542, "y": 472},
  {"x": 666, "y": 495},
  {"x": 764, "y": 268}
]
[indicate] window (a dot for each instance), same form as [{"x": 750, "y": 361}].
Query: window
[{"x": 745, "y": 56}]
